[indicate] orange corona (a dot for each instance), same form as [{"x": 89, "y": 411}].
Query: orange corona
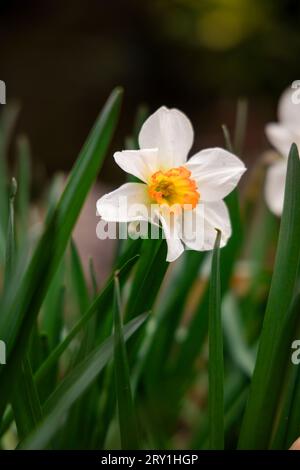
[{"x": 174, "y": 186}]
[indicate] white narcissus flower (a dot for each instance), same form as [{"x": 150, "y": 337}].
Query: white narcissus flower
[
  {"x": 168, "y": 179},
  {"x": 281, "y": 135}
]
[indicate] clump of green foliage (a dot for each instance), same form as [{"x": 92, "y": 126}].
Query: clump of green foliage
[{"x": 126, "y": 365}]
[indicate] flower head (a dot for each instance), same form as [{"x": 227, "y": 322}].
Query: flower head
[
  {"x": 281, "y": 135},
  {"x": 175, "y": 186}
]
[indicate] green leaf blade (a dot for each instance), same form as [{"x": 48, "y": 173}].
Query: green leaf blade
[
  {"x": 74, "y": 385},
  {"x": 126, "y": 411},
  {"x": 270, "y": 364},
  {"x": 24, "y": 305},
  {"x": 216, "y": 365}
]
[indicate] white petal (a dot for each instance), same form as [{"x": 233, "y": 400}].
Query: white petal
[
  {"x": 289, "y": 109},
  {"x": 280, "y": 137},
  {"x": 172, "y": 230},
  {"x": 212, "y": 215},
  {"x": 216, "y": 171},
  {"x": 127, "y": 203},
  {"x": 171, "y": 132},
  {"x": 140, "y": 163},
  {"x": 274, "y": 186}
]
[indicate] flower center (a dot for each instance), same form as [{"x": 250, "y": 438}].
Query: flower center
[{"x": 174, "y": 186}]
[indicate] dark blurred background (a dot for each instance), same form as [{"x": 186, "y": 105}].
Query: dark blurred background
[{"x": 60, "y": 60}]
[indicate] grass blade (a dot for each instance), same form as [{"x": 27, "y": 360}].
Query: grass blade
[
  {"x": 287, "y": 413},
  {"x": 270, "y": 364},
  {"x": 287, "y": 420},
  {"x": 293, "y": 432},
  {"x": 80, "y": 289},
  {"x": 11, "y": 237},
  {"x": 216, "y": 366},
  {"x": 150, "y": 272},
  {"x": 51, "y": 321},
  {"x": 24, "y": 305},
  {"x": 26, "y": 405},
  {"x": 7, "y": 123},
  {"x": 241, "y": 353},
  {"x": 23, "y": 196},
  {"x": 126, "y": 411},
  {"x": 101, "y": 300},
  {"x": 198, "y": 327},
  {"x": 235, "y": 397},
  {"x": 93, "y": 277},
  {"x": 157, "y": 347},
  {"x": 74, "y": 385}
]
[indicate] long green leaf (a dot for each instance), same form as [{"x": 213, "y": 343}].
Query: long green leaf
[
  {"x": 270, "y": 364},
  {"x": 23, "y": 196},
  {"x": 51, "y": 321},
  {"x": 288, "y": 411},
  {"x": 7, "y": 122},
  {"x": 11, "y": 236},
  {"x": 169, "y": 315},
  {"x": 24, "y": 305},
  {"x": 80, "y": 289},
  {"x": 293, "y": 432},
  {"x": 216, "y": 366},
  {"x": 241, "y": 354},
  {"x": 26, "y": 403},
  {"x": 74, "y": 385},
  {"x": 235, "y": 385},
  {"x": 126, "y": 411},
  {"x": 150, "y": 272},
  {"x": 100, "y": 301},
  {"x": 198, "y": 327}
]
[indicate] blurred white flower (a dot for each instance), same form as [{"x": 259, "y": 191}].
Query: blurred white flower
[
  {"x": 169, "y": 181},
  {"x": 281, "y": 135}
]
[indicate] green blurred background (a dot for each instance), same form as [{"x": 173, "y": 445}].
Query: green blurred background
[{"x": 60, "y": 60}]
